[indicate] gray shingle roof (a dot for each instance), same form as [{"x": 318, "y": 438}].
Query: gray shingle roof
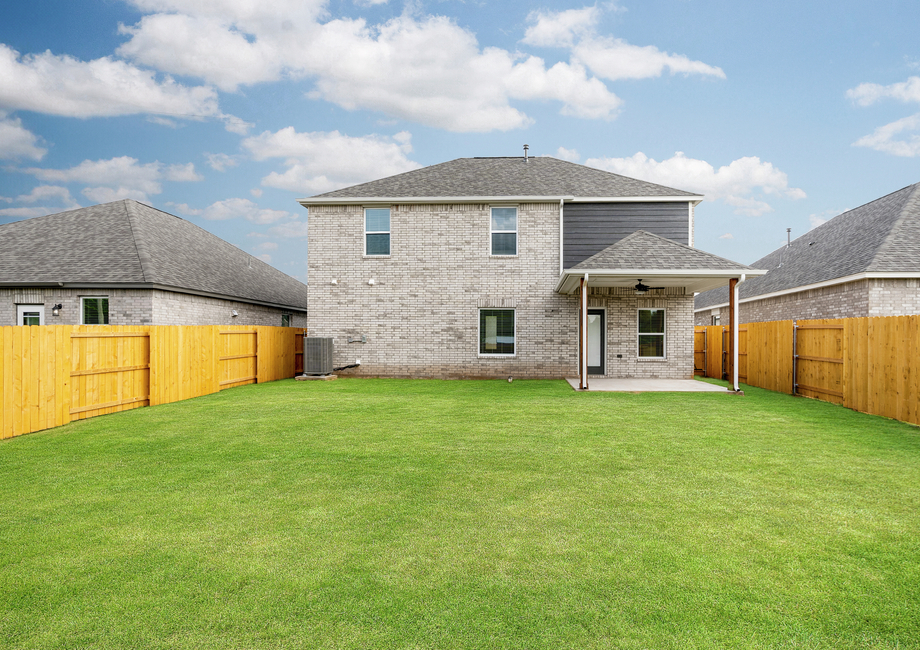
[
  {"x": 484, "y": 177},
  {"x": 881, "y": 236},
  {"x": 644, "y": 250},
  {"x": 126, "y": 242}
]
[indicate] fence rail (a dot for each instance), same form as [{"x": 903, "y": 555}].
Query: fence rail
[
  {"x": 51, "y": 375},
  {"x": 867, "y": 364}
]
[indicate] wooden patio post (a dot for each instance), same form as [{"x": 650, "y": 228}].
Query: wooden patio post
[{"x": 583, "y": 334}]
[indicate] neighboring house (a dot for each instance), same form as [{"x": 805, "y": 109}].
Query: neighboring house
[
  {"x": 474, "y": 268},
  {"x": 125, "y": 263},
  {"x": 865, "y": 262}
]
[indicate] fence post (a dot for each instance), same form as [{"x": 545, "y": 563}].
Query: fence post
[{"x": 795, "y": 357}]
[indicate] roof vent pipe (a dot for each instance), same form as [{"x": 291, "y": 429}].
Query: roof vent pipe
[
  {"x": 526, "y": 147},
  {"x": 788, "y": 237}
]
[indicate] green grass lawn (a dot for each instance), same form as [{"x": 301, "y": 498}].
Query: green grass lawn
[{"x": 429, "y": 514}]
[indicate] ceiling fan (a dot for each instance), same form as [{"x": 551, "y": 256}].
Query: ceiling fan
[{"x": 642, "y": 289}]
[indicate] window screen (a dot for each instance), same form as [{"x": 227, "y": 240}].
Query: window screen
[
  {"x": 504, "y": 231},
  {"x": 651, "y": 333},
  {"x": 377, "y": 231},
  {"x": 95, "y": 311},
  {"x": 496, "y": 331}
]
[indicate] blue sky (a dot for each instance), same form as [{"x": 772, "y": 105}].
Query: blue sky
[{"x": 225, "y": 111}]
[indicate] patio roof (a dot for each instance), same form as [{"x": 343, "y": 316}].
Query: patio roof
[{"x": 658, "y": 262}]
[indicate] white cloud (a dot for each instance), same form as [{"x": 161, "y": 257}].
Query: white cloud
[
  {"x": 615, "y": 59},
  {"x": 256, "y": 192},
  {"x": 867, "y": 94},
  {"x": 242, "y": 208},
  {"x": 18, "y": 142},
  {"x": 63, "y": 85},
  {"x": 607, "y": 57},
  {"x": 290, "y": 230},
  {"x": 885, "y": 138},
  {"x": 320, "y": 162},
  {"x": 220, "y": 161},
  {"x": 560, "y": 29},
  {"x": 567, "y": 154},
  {"x": 183, "y": 208},
  {"x": 748, "y": 207},
  {"x": 267, "y": 246},
  {"x": 44, "y": 193},
  {"x": 265, "y": 258},
  {"x": 118, "y": 178},
  {"x": 889, "y": 138},
  {"x": 182, "y": 173},
  {"x": 428, "y": 70},
  {"x": 734, "y": 183},
  {"x": 727, "y": 235}
]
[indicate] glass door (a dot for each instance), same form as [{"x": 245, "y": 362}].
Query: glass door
[{"x": 596, "y": 335}]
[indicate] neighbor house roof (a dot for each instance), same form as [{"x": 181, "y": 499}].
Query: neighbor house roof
[
  {"x": 657, "y": 260},
  {"x": 504, "y": 177},
  {"x": 881, "y": 237},
  {"x": 129, "y": 244}
]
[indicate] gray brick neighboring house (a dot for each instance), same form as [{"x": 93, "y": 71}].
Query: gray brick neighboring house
[
  {"x": 864, "y": 262},
  {"x": 125, "y": 263},
  {"x": 474, "y": 267}
]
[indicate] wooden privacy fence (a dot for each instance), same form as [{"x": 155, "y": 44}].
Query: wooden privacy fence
[
  {"x": 867, "y": 364},
  {"x": 51, "y": 375}
]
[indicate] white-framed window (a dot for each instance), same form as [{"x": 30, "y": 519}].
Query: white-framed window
[
  {"x": 651, "y": 333},
  {"x": 377, "y": 231},
  {"x": 285, "y": 320},
  {"x": 30, "y": 314},
  {"x": 94, "y": 310},
  {"x": 497, "y": 333},
  {"x": 503, "y": 232}
]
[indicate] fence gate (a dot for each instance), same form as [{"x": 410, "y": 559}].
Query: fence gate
[{"x": 818, "y": 361}]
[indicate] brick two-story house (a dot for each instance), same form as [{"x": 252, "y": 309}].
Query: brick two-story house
[{"x": 475, "y": 268}]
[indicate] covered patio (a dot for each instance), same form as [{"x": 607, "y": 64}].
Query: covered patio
[
  {"x": 635, "y": 385},
  {"x": 648, "y": 266}
]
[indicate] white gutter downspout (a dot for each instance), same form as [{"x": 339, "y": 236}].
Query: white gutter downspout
[
  {"x": 561, "y": 201},
  {"x": 735, "y": 335},
  {"x": 584, "y": 333}
]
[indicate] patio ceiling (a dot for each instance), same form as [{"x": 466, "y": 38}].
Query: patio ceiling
[{"x": 692, "y": 281}]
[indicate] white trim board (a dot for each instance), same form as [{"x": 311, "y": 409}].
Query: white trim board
[
  {"x": 872, "y": 275},
  {"x": 397, "y": 200}
]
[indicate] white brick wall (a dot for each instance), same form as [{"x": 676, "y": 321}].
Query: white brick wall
[
  {"x": 421, "y": 316},
  {"x": 142, "y": 307},
  {"x": 874, "y": 297}
]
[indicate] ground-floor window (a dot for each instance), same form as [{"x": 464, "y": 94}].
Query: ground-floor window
[
  {"x": 651, "y": 333},
  {"x": 285, "y": 320},
  {"x": 30, "y": 314},
  {"x": 496, "y": 332},
  {"x": 94, "y": 310}
]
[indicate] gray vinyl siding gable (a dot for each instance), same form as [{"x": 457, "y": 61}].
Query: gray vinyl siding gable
[{"x": 589, "y": 228}]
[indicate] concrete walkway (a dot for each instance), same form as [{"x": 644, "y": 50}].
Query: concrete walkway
[{"x": 610, "y": 384}]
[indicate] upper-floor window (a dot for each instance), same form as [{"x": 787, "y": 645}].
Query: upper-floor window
[
  {"x": 94, "y": 310},
  {"x": 504, "y": 231},
  {"x": 377, "y": 231}
]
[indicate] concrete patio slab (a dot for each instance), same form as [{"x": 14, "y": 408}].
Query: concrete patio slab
[{"x": 610, "y": 384}]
